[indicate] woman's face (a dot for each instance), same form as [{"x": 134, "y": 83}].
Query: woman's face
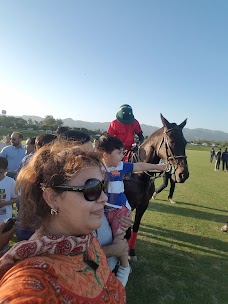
[{"x": 76, "y": 215}]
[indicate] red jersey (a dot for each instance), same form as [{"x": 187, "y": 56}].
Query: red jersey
[{"x": 124, "y": 132}]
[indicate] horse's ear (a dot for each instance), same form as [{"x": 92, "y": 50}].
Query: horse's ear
[
  {"x": 183, "y": 124},
  {"x": 165, "y": 122}
]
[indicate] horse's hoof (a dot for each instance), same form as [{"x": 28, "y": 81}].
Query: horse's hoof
[{"x": 133, "y": 258}]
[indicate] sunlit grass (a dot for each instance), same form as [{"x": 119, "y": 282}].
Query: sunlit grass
[{"x": 183, "y": 255}]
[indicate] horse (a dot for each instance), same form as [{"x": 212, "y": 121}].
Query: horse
[{"x": 167, "y": 143}]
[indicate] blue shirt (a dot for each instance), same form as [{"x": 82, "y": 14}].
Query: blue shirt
[
  {"x": 25, "y": 159},
  {"x": 14, "y": 157},
  {"x": 116, "y": 196}
]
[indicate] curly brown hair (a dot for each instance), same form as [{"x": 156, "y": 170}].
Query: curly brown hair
[{"x": 51, "y": 165}]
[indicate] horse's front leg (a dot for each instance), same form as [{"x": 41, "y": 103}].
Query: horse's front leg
[{"x": 140, "y": 210}]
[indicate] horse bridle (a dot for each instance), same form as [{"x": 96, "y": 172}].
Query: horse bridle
[{"x": 169, "y": 153}]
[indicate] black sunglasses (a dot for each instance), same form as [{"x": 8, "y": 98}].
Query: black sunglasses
[{"x": 92, "y": 188}]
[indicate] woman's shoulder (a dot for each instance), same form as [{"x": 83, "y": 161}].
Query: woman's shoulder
[
  {"x": 59, "y": 276},
  {"x": 31, "y": 279}
]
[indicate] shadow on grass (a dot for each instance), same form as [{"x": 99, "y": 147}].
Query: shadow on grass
[
  {"x": 167, "y": 275},
  {"x": 177, "y": 209},
  {"x": 193, "y": 205},
  {"x": 186, "y": 241},
  {"x": 205, "y": 207}
]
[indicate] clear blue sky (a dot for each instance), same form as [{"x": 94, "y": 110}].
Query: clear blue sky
[{"x": 84, "y": 58}]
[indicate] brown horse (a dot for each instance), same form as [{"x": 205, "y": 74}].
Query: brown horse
[{"x": 167, "y": 143}]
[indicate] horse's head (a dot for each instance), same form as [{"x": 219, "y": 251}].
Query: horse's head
[
  {"x": 168, "y": 143},
  {"x": 172, "y": 149}
]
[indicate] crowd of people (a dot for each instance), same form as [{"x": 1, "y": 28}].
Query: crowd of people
[
  {"x": 72, "y": 214},
  {"x": 65, "y": 239},
  {"x": 219, "y": 156}
]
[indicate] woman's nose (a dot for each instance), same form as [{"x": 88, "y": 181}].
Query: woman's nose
[{"x": 102, "y": 198}]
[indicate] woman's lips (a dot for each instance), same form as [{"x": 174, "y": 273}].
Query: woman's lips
[{"x": 99, "y": 212}]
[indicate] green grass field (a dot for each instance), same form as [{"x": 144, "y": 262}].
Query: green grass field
[{"x": 183, "y": 255}]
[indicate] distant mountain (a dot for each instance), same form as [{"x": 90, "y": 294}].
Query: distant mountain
[
  {"x": 189, "y": 134},
  {"x": 204, "y": 134},
  {"x": 103, "y": 126},
  {"x": 34, "y": 118}
]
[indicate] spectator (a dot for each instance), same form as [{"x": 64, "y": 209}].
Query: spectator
[
  {"x": 30, "y": 145},
  {"x": 167, "y": 177},
  {"x": 6, "y": 142},
  {"x": 218, "y": 159},
  {"x": 14, "y": 154},
  {"x": 29, "y": 150},
  {"x": 44, "y": 139},
  {"x": 212, "y": 154},
  {"x": 125, "y": 126},
  {"x": 61, "y": 131},
  {"x": 64, "y": 189},
  {"x": 7, "y": 194},
  {"x": 25, "y": 232},
  {"x": 225, "y": 160},
  {"x": 112, "y": 248},
  {"x": 80, "y": 138}
]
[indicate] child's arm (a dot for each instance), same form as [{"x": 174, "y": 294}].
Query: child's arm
[
  {"x": 140, "y": 166},
  {"x": 118, "y": 248},
  {"x": 8, "y": 203}
]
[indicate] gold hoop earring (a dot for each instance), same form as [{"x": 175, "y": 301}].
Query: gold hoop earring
[{"x": 54, "y": 211}]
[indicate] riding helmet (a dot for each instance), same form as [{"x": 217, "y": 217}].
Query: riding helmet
[{"x": 125, "y": 114}]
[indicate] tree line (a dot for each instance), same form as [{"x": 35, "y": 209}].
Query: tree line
[
  {"x": 29, "y": 127},
  {"x": 48, "y": 123}
]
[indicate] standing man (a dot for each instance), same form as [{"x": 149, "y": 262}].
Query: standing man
[
  {"x": 14, "y": 153},
  {"x": 167, "y": 177},
  {"x": 125, "y": 126},
  {"x": 212, "y": 154},
  {"x": 225, "y": 160},
  {"x": 218, "y": 156}
]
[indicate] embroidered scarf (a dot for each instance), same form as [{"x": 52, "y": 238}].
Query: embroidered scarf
[{"x": 47, "y": 245}]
